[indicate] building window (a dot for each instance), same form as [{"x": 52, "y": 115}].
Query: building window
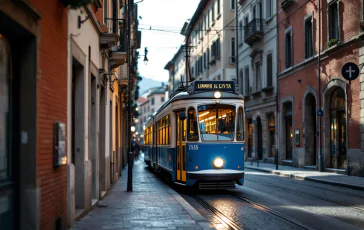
[
  {"x": 218, "y": 7},
  {"x": 288, "y": 49},
  {"x": 232, "y": 51},
  {"x": 334, "y": 20},
  {"x": 162, "y": 99},
  {"x": 308, "y": 38},
  {"x": 269, "y": 70},
  {"x": 148, "y": 109},
  {"x": 105, "y": 11},
  {"x": 258, "y": 76},
  {"x": 241, "y": 40},
  {"x": 232, "y": 4},
  {"x": 204, "y": 60},
  {"x": 152, "y": 100},
  {"x": 218, "y": 48},
  {"x": 269, "y": 8},
  {"x": 213, "y": 13},
  {"x": 208, "y": 19},
  {"x": 152, "y": 111},
  {"x": 247, "y": 86},
  {"x": 241, "y": 80}
]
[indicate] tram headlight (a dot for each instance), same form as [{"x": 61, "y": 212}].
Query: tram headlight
[
  {"x": 218, "y": 162},
  {"x": 217, "y": 94}
]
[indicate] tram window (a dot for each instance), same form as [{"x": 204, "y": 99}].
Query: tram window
[
  {"x": 192, "y": 134},
  {"x": 240, "y": 125},
  {"x": 164, "y": 128},
  {"x": 217, "y": 122}
]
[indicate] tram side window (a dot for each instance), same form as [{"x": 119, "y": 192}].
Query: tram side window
[
  {"x": 164, "y": 126},
  {"x": 192, "y": 131},
  {"x": 240, "y": 126},
  {"x": 148, "y": 136}
]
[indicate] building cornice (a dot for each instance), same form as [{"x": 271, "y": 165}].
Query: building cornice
[{"x": 93, "y": 18}]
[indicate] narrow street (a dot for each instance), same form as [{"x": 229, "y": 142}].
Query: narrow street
[{"x": 274, "y": 202}]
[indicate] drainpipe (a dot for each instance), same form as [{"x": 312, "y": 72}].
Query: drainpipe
[
  {"x": 319, "y": 88},
  {"x": 277, "y": 90},
  {"x": 237, "y": 44},
  {"x": 348, "y": 169}
]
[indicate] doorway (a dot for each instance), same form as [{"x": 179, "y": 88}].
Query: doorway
[
  {"x": 7, "y": 127},
  {"x": 271, "y": 132},
  {"x": 288, "y": 130},
  {"x": 250, "y": 138},
  {"x": 181, "y": 149},
  {"x": 310, "y": 130},
  {"x": 259, "y": 138},
  {"x": 338, "y": 129}
]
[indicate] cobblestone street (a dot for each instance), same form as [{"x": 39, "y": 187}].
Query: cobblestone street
[{"x": 152, "y": 204}]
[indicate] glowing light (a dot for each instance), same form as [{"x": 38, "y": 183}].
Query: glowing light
[
  {"x": 218, "y": 162},
  {"x": 217, "y": 94},
  {"x": 132, "y": 128}
]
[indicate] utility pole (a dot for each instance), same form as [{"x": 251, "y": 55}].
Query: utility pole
[{"x": 319, "y": 86}]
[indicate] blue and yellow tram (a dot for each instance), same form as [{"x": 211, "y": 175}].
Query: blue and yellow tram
[{"x": 197, "y": 136}]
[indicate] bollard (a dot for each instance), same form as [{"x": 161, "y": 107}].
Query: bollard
[
  {"x": 276, "y": 159},
  {"x": 130, "y": 171}
]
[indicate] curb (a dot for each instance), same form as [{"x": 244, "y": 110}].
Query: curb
[
  {"x": 351, "y": 186},
  {"x": 195, "y": 215}
]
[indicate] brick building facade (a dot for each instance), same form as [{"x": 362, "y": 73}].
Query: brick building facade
[
  {"x": 301, "y": 93},
  {"x": 34, "y": 97}
]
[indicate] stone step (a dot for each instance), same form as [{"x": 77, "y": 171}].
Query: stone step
[
  {"x": 311, "y": 167},
  {"x": 287, "y": 163},
  {"x": 337, "y": 171}
]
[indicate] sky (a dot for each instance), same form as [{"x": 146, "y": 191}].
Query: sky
[{"x": 166, "y": 15}]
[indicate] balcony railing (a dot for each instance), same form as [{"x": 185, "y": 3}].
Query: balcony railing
[{"x": 253, "y": 31}]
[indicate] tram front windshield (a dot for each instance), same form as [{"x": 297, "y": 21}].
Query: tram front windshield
[{"x": 216, "y": 122}]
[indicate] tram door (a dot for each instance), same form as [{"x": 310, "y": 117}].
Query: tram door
[{"x": 181, "y": 146}]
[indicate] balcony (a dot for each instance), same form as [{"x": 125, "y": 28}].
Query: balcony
[
  {"x": 253, "y": 32},
  {"x": 110, "y": 37}
]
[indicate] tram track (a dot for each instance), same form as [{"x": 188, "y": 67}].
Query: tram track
[
  {"x": 293, "y": 191},
  {"x": 229, "y": 223},
  {"x": 225, "y": 220},
  {"x": 270, "y": 211}
]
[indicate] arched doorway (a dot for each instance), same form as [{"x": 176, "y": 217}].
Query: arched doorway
[
  {"x": 259, "y": 138},
  {"x": 310, "y": 130},
  {"x": 271, "y": 133},
  {"x": 337, "y": 128},
  {"x": 7, "y": 150}
]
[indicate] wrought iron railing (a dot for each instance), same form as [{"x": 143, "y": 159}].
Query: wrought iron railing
[{"x": 254, "y": 26}]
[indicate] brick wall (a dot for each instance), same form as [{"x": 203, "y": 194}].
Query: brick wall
[
  {"x": 331, "y": 63},
  {"x": 52, "y": 107}
]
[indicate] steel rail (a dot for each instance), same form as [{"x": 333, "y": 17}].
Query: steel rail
[
  {"x": 226, "y": 221},
  {"x": 306, "y": 194},
  {"x": 271, "y": 211}
]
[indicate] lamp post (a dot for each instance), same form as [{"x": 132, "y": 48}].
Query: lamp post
[{"x": 129, "y": 8}]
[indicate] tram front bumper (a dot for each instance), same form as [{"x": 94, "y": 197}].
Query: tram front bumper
[{"x": 216, "y": 175}]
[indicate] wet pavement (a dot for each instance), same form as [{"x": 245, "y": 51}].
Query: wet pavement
[{"x": 151, "y": 205}]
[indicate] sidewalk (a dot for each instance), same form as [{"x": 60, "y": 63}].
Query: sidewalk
[
  {"x": 352, "y": 182},
  {"x": 152, "y": 204}
]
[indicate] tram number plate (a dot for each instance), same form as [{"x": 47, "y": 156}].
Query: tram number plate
[{"x": 193, "y": 147}]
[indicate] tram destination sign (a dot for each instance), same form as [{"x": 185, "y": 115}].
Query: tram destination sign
[{"x": 225, "y": 86}]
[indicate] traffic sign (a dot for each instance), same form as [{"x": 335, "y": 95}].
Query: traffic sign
[
  {"x": 350, "y": 71},
  {"x": 320, "y": 112}
]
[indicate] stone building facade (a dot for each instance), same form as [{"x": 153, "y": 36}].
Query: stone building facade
[{"x": 257, "y": 76}]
